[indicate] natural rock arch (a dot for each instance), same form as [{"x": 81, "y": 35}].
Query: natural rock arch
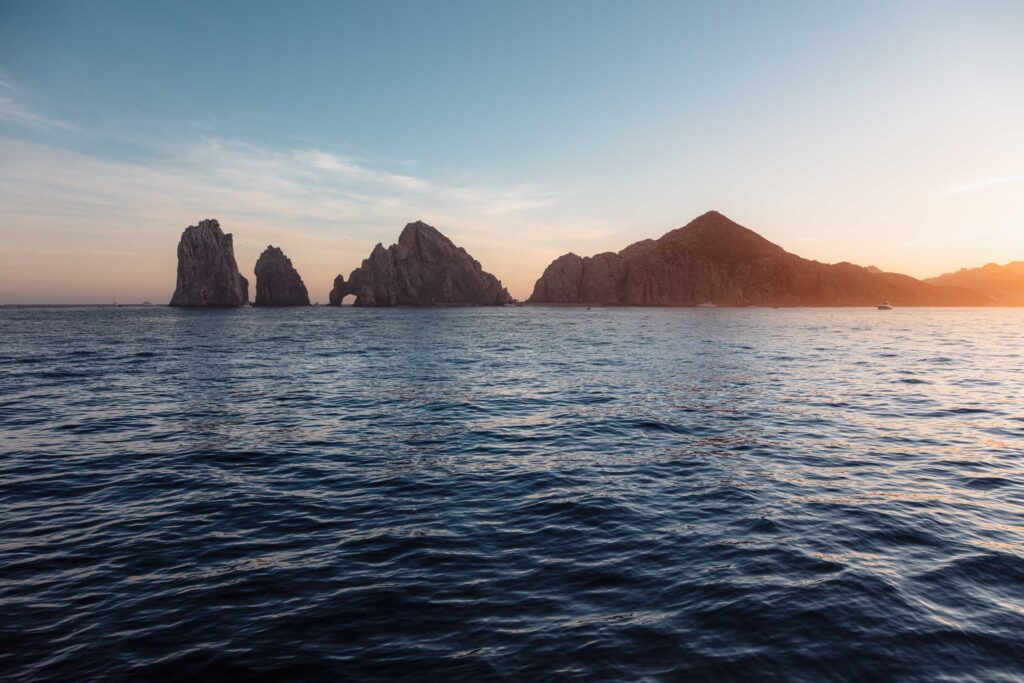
[{"x": 423, "y": 268}]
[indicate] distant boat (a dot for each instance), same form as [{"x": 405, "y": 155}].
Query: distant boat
[
  {"x": 146, "y": 303},
  {"x": 885, "y": 307},
  {"x": 707, "y": 304}
]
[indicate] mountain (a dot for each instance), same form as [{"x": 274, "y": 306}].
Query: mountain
[
  {"x": 207, "y": 272},
  {"x": 423, "y": 268},
  {"x": 1004, "y": 284},
  {"x": 713, "y": 259},
  {"x": 277, "y": 281}
]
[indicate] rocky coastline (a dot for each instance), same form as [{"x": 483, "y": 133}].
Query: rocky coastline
[
  {"x": 711, "y": 261},
  {"x": 715, "y": 261}
]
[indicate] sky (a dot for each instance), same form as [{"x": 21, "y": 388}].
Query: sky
[{"x": 882, "y": 133}]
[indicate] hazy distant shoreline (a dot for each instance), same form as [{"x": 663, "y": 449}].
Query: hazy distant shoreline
[{"x": 520, "y": 305}]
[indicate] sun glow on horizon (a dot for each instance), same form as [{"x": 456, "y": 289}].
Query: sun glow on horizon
[{"x": 885, "y": 136}]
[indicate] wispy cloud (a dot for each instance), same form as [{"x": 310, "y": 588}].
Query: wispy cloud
[
  {"x": 342, "y": 168},
  {"x": 15, "y": 109},
  {"x": 327, "y": 209},
  {"x": 986, "y": 183},
  {"x": 306, "y": 186},
  {"x": 73, "y": 212}
]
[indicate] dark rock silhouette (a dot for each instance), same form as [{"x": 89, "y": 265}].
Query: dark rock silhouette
[
  {"x": 207, "y": 272},
  {"x": 277, "y": 281},
  {"x": 423, "y": 268},
  {"x": 1004, "y": 284},
  {"x": 713, "y": 259},
  {"x": 337, "y": 292}
]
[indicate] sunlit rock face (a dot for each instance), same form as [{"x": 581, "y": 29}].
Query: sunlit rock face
[
  {"x": 207, "y": 272},
  {"x": 423, "y": 268},
  {"x": 277, "y": 281},
  {"x": 712, "y": 259}
]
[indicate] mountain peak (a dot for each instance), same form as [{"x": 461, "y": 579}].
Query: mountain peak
[
  {"x": 713, "y": 258},
  {"x": 720, "y": 237},
  {"x": 417, "y": 228},
  {"x": 713, "y": 220}
]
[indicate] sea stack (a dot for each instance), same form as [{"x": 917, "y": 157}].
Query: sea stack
[
  {"x": 714, "y": 260},
  {"x": 277, "y": 281},
  {"x": 207, "y": 272},
  {"x": 424, "y": 268}
]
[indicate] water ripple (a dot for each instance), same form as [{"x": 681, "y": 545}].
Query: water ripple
[{"x": 511, "y": 494}]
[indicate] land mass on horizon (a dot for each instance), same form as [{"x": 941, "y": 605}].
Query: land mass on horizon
[
  {"x": 713, "y": 259},
  {"x": 1003, "y": 284}
]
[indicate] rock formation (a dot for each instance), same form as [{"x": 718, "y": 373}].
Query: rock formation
[
  {"x": 712, "y": 259},
  {"x": 423, "y": 268},
  {"x": 1004, "y": 284},
  {"x": 207, "y": 272},
  {"x": 337, "y": 292},
  {"x": 277, "y": 281}
]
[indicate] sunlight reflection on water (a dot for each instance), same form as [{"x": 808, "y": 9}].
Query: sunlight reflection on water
[{"x": 512, "y": 493}]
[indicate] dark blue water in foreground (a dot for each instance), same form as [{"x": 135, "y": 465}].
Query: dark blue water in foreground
[{"x": 517, "y": 494}]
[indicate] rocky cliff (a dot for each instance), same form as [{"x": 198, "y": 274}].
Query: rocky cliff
[
  {"x": 713, "y": 259},
  {"x": 207, "y": 272},
  {"x": 423, "y": 268},
  {"x": 277, "y": 281},
  {"x": 1004, "y": 284}
]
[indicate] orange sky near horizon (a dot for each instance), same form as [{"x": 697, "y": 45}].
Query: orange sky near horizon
[{"x": 885, "y": 134}]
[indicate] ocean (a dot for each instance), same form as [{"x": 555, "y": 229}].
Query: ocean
[{"x": 518, "y": 493}]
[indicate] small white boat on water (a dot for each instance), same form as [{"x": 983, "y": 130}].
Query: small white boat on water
[
  {"x": 885, "y": 306},
  {"x": 707, "y": 304}
]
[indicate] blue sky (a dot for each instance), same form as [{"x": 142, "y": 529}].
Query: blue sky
[{"x": 884, "y": 133}]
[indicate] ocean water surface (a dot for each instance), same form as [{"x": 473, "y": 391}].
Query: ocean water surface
[{"x": 511, "y": 494}]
